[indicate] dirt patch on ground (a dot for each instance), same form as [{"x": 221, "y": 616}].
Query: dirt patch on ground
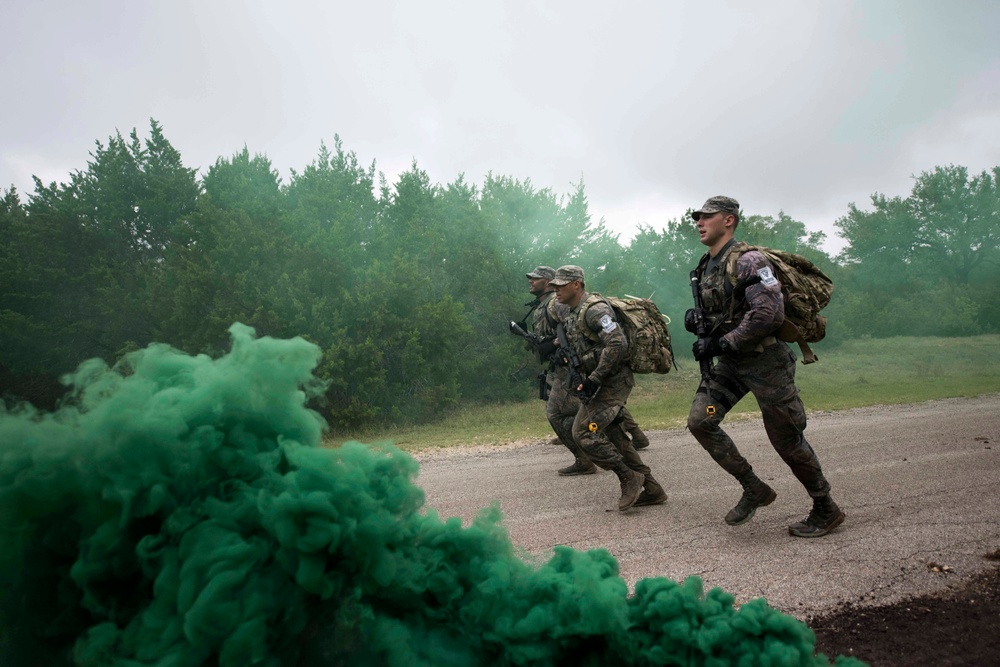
[{"x": 961, "y": 627}]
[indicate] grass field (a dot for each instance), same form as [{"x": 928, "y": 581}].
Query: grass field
[{"x": 855, "y": 374}]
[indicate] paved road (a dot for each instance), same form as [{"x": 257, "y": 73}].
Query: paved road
[{"x": 920, "y": 485}]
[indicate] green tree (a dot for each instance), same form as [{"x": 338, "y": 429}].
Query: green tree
[
  {"x": 400, "y": 352},
  {"x": 114, "y": 222},
  {"x": 82, "y": 254},
  {"x": 948, "y": 225},
  {"x": 659, "y": 264},
  {"x": 786, "y": 234},
  {"x": 484, "y": 273},
  {"x": 957, "y": 219},
  {"x": 241, "y": 264},
  {"x": 245, "y": 183},
  {"x": 596, "y": 249},
  {"x": 332, "y": 216},
  {"x": 25, "y": 352},
  {"x": 927, "y": 257}
]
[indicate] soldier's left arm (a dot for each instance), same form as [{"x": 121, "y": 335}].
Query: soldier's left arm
[
  {"x": 600, "y": 318},
  {"x": 765, "y": 306}
]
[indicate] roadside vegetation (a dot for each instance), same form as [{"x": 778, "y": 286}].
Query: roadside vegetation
[
  {"x": 407, "y": 288},
  {"x": 858, "y": 373}
]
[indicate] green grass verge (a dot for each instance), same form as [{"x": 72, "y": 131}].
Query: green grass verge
[{"x": 886, "y": 371}]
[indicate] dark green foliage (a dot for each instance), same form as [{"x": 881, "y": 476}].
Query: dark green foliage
[
  {"x": 84, "y": 254},
  {"x": 927, "y": 264},
  {"x": 407, "y": 287},
  {"x": 657, "y": 266}
]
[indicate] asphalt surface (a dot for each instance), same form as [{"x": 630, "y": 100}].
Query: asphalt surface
[{"x": 920, "y": 485}]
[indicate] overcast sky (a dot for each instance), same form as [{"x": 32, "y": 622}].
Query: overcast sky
[{"x": 801, "y": 105}]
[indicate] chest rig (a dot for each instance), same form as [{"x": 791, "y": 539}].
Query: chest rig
[
  {"x": 545, "y": 319},
  {"x": 716, "y": 289}
]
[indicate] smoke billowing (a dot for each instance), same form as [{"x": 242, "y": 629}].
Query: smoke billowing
[{"x": 179, "y": 511}]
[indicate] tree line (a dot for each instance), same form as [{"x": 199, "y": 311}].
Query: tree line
[{"x": 407, "y": 287}]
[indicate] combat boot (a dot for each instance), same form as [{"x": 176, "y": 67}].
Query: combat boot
[
  {"x": 755, "y": 494},
  {"x": 639, "y": 439},
  {"x": 824, "y": 517},
  {"x": 652, "y": 493},
  {"x": 631, "y": 482},
  {"x": 579, "y": 467}
]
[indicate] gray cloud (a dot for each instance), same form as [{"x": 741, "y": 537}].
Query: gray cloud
[{"x": 795, "y": 106}]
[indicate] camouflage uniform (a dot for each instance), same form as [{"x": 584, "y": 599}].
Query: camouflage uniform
[
  {"x": 756, "y": 363},
  {"x": 562, "y": 405},
  {"x": 597, "y": 426},
  {"x": 743, "y": 312}
]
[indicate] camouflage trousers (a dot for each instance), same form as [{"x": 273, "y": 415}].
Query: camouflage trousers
[
  {"x": 562, "y": 407},
  {"x": 770, "y": 376},
  {"x": 598, "y": 429}
]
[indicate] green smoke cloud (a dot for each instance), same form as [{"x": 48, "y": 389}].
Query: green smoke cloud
[{"x": 180, "y": 511}]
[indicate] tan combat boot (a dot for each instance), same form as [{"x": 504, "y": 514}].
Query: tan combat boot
[
  {"x": 652, "y": 494},
  {"x": 631, "y": 482}
]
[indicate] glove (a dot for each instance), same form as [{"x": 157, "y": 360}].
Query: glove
[
  {"x": 589, "y": 388},
  {"x": 689, "y": 323},
  {"x": 547, "y": 347},
  {"x": 706, "y": 348}
]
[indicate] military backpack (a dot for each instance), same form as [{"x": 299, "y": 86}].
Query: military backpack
[
  {"x": 806, "y": 291},
  {"x": 645, "y": 328}
]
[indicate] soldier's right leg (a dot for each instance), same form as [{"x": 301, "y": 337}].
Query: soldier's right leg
[
  {"x": 773, "y": 384},
  {"x": 785, "y": 421},
  {"x": 590, "y": 429},
  {"x": 561, "y": 409},
  {"x": 652, "y": 492}
]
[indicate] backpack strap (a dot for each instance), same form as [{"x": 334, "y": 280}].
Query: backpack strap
[
  {"x": 728, "y": 262},
  {"x": 702, "y": 263},
  {"x": 549, "y": 319},
  {"x": 581, "y": 322},
  {"x": 732, "y": 257},
  {"x": 531, "y": 308}
]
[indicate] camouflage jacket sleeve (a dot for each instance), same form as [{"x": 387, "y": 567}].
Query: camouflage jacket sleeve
[
  {"x": 764, "y": 309},
  {"x": 600, "y": 319}
]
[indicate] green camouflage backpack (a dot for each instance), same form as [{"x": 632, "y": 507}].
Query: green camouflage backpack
[
  {"x": 645, "y": 328},
  {"x": 806, "y": 291}
]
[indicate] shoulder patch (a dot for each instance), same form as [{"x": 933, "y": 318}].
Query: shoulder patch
[
  {"x": 767, "y": 278},
  {"x": 608, "y": 324}
]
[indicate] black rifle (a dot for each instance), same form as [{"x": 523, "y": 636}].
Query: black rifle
[
  {"x": 544, "y": 349},
  {"x": 542, "y": 346},
  {"x": 700, "y": 325},
  {"x": 570, "y": 358}
]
